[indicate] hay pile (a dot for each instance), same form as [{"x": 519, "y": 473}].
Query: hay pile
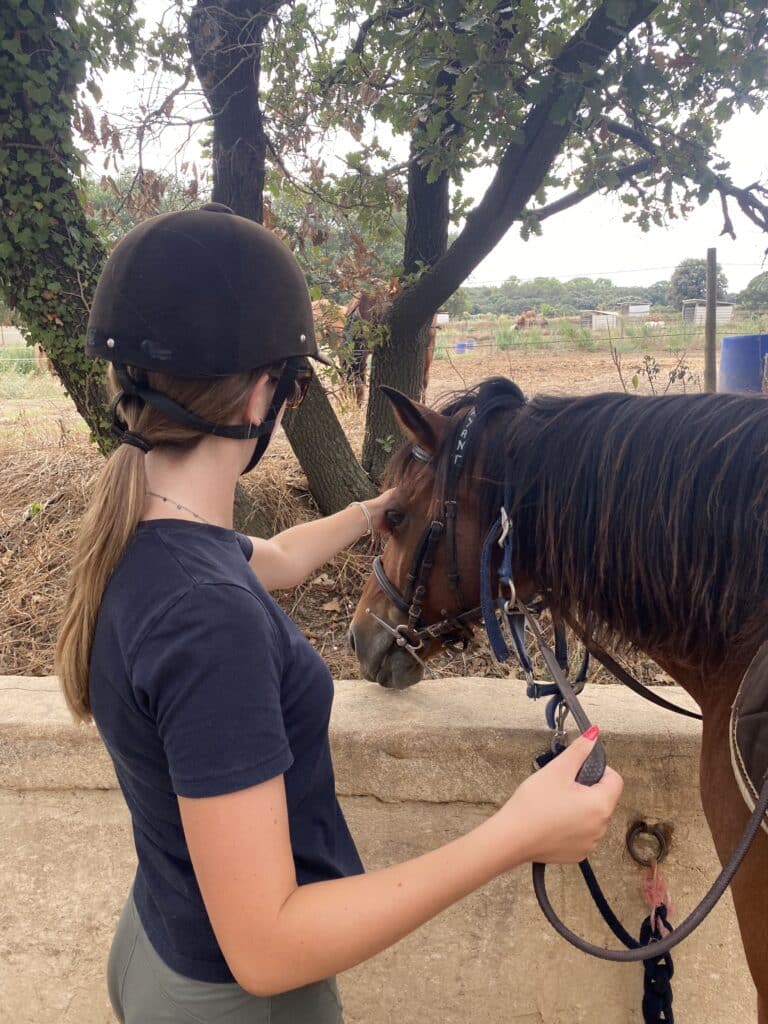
[{"x": 44, "y": 491}]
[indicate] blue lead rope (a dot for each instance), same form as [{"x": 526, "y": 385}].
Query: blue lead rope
[
  {"x": 488, "y": 599},
  {"x": 490, "y": 603}
]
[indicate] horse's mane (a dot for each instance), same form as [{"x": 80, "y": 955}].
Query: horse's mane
[{"x": 647, "y": 517}]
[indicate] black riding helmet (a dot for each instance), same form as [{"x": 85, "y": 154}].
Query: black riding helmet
[{"x": 202, "y": 293}]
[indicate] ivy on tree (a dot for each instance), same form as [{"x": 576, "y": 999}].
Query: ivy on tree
[{"x": 49, "y": 257}]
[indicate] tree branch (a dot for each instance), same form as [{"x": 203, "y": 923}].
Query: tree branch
[
  {"x": 524, "y": 164},
  {"x": 747, "y": 198},
  {"x": 389, "y": 14},
  {"x": 625, "y": 174},
  {"x": 748, "y": 202},
  {"x": 630, "y": 134}
]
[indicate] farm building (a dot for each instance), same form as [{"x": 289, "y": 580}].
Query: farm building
[
  {"x": 695, "y": 311},
  {"x": 600, "y": 320},
  {"x": 633, "y": 309}
]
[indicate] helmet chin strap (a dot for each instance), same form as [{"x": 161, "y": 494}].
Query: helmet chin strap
[
  {"x": 179, "y": 414},
  {"x": 282, "y": 391}
]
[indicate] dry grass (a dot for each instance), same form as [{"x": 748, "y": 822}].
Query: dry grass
[{"x": 44, "y": 491}]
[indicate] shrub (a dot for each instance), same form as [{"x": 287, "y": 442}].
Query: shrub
[
  {"x": 505, "y": 336},
  {"x": 579, "y": 337}
]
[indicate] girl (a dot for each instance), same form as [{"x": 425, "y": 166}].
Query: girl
[{"x": 249, "y": 894}]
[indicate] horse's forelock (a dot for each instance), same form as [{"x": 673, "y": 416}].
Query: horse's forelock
[{"x": 494, "y": 398}]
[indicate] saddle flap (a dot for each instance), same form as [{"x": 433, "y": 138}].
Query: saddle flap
[{"x": 749, "y": 731}]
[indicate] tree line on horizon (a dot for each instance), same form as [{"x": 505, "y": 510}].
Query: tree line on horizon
[{"x": 550, "y": 296}]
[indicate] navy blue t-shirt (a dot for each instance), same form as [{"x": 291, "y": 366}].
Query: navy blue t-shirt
[{"x": 200, "y": 685}]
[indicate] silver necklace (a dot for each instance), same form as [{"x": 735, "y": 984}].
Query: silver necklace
[{"x": 172, "y": 501}]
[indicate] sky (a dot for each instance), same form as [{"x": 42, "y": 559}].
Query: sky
[{"x": 590, "y": 240}]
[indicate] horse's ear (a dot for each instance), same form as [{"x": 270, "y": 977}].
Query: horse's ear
[{"x": 419, "y": 423}]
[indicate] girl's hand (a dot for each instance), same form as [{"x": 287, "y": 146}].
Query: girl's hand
[
  {"x": 377, "y": 508},
  {"x": 562, "y": 820}
]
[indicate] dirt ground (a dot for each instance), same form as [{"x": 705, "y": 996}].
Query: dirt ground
[{"x": 48, "y": 463}]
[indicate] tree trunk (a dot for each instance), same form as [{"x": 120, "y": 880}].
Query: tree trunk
[
  {"x": 399, "y": 361},
  {"x": 334, "y": 475},
  {"x": 49, "y": 258},
  {"x": 225, "y": 38},
  {"x": 225, "y": 43}
]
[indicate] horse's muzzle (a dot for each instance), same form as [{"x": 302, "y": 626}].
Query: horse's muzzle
[{"x": 381, "y": 660}]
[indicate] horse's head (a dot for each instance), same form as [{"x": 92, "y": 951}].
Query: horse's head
[{"x": 448, "y": 478}]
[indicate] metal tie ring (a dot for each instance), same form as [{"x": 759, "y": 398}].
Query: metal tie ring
[{"x": 646, "y": 831}]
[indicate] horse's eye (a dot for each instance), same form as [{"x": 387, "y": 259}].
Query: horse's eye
[{"x": 394, "y": 518}]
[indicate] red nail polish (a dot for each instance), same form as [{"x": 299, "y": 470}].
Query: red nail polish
[{"x": 592, "y": 733}]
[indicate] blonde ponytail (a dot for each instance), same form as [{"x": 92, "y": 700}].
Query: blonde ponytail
[
  {"x": 116, "y": 508},
  {"x": 107, "y": 526}
]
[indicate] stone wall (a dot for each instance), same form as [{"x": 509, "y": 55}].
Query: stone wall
[{"x": 414, "y": 770}]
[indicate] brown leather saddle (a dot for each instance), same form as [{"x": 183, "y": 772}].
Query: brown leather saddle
[{"x": 749, "y": 731}]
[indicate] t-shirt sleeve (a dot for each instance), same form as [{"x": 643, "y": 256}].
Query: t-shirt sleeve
[
  {"x": 209, "y": 674},
  {"x": 246, "y": 545}
]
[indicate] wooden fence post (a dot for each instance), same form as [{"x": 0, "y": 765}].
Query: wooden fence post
[{"x": 710, "y": 324}]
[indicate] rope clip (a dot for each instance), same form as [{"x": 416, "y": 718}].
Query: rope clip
[
  {"x": 510, "y": 602},
  {"x": 560, "y": 735},
  {"x": 505, "y": 521}
]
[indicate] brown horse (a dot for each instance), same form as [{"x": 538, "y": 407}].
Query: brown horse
[{"x": 646, "y": 517}]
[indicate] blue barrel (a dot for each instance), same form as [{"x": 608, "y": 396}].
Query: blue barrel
[
  {"x": 742, "y": 358},
  {"x": 470, "y": 344},
  {"x": 461, "y": 347}
]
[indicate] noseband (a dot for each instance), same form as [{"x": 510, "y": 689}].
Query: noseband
[{"x": 451, "y": 629}]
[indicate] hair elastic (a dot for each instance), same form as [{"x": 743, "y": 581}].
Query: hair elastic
[{"x": 129, "y": 437}]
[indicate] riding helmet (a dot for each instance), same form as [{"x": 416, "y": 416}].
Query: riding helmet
[{"x": 201, "y": 293}]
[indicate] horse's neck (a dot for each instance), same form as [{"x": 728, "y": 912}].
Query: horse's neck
[{"x": 714, "y": 693}]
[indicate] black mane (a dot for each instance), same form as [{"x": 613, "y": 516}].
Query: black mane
[{"x": 648, "y": 517}]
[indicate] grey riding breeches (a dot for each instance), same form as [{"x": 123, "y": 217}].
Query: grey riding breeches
[{"x": 144, "y": 990}]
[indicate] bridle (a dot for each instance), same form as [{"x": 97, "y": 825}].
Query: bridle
[{"x": 451, "y": 629}]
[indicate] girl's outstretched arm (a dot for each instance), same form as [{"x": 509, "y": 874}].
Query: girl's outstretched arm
[{"x": 289, "y": 557}]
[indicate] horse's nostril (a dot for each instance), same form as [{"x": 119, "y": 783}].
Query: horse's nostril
[{"x": 351, "y": 635}]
